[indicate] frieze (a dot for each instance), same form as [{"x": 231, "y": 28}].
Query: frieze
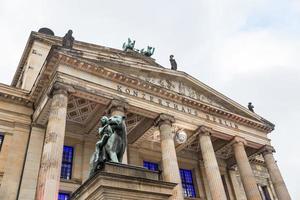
[
  {"x": 180, "y": 88},
  {"x": 221, "y": 121},
  {"x": 157, "y": 100}
]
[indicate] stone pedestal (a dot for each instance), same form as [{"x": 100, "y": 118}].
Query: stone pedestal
[{"x": 126, "y": 182}]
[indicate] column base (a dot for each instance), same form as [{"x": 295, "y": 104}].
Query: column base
[{"x": 127, "y": 182}]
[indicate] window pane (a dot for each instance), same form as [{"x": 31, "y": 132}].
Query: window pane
[
  {"x": 151, "y": 166},
  {"x": 63, "y": 196},
  {"x": 67, "y": 162},
  {"x": 1, "y": 141},
  {"x": 187, "y": 183}
]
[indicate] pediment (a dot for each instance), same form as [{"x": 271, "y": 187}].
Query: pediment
[{"x": 189, "y": 87}]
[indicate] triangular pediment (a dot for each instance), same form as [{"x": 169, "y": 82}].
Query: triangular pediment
[{"x": 187, "y": 86}]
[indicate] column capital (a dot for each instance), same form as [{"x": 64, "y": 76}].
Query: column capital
[
  {"x": 204, "y": 130},
  {"x": 239, "y": 141},
  {"x": 61, "y": 88},
  {"x": 119, "y": 105},
  {"x": 267, "y": 149},
  {"x": 164, "y": 119}
]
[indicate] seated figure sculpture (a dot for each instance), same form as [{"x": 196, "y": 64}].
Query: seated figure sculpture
[{"x": 112, "y": 143}]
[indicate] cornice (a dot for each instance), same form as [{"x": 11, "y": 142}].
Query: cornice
[{"x": 14, "y": 95}]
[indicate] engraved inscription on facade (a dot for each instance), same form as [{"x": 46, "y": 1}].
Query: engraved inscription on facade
[
  {"x": 221, "y": 121},
  {"x": 180, "y": 88},
  {"x": 156, "y": 100}
]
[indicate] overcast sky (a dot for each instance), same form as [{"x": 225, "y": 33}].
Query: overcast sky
[{"x": 246, "y": 49}]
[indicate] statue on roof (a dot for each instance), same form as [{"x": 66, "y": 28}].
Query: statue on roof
[
  {"x": 149, "y": 52},
  {"x": 68, "y": 40},
  {"x": 250, "y": 107},
  {"x": 112, "y": 143},
  {"x": 173, "y": 62},
  {"x": 129, "y": 45}
]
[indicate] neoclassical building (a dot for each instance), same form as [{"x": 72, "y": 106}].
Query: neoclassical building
[{"x": 49, "y": 120}]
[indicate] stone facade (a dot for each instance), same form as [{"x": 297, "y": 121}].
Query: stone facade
[{"x": 58, "y": 95}]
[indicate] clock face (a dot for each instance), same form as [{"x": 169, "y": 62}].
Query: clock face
[{"x": 181, "y": 137}]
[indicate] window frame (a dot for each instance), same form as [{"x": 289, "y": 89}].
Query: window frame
[
  {"x": 186, "y": 183},
  {"x": 64, "y": 193},
  {"x": 67, "y": 163},
  {"x": 2, "y": 140},
  {"x": 155, "y": 165}
]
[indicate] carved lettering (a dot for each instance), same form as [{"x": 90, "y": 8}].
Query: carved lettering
[
  {"x": 119, "y": 88},
  {"x": 157, "y": 100},
  {"x": 221, "y": 121},
  {"x": 135, "y": 93}
]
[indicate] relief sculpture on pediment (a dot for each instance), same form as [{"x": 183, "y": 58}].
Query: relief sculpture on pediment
[{"x": 180, "y": 88}]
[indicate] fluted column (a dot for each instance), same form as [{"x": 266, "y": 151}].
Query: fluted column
[
  {"x": 49, "y": 173},
  {"x": 275, "y": 175},
  {"x": 247, "y": 176},
  {"x": 118, "y": 107},
  {"x": 211, "y": 165},
  {"x": 170, "y": 167}
]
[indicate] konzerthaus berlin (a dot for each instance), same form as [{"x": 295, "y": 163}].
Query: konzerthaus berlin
[{"x": 185, "y": 139}]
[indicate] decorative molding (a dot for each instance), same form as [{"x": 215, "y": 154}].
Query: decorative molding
[
  {"x": 239, "y": 141},
  {"x": 164, "y": 119},
  {"x": 267, "y": 149},
  {"x": 61, "y": 88},
  {"x": 204, "y": 130},
  {"x": 119, "y": 105}
]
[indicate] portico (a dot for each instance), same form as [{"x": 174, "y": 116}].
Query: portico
[{"x": 225, "y": 141}]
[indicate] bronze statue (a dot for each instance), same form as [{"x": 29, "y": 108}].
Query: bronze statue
[
  {"x": 250, "y": 107},
  {"x": 68, "y": 40},
  {"x": 112, "y": 143},
  {"x": 173, "y": 63},
  {"x": 129, "y": 45},
  {"x": 149, "y": 52}
]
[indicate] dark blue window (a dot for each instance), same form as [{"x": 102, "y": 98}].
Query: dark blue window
[
  {"x": 151, "y": 166},
  {"x": 187, "y": 183},
  {"x": 67, "y": 162},
  {"x": 63, "y": 196},
  {"x": 1, "y": 140}
]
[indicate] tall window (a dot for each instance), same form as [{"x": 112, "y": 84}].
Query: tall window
[
  {"x": 151, "y": 165},
  {"x": 1, "y": 141},
  {"x": 63, "y": 196},
  {"x": 67, "y": 162},
  {"x": 264, "y": 192},
  {"x": 225, "y": 186},
  {"x": 187, "y": 183}
]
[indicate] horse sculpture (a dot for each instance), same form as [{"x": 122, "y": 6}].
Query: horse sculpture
[{"x": 112, "y": 143}]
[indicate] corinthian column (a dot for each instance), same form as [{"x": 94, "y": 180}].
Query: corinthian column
[
  {"x": 245, "y": 170},
  {"x": 275, "y": 175},
  {"x": 170, "y": 167},
  {"x": 211, "y": 166},
  {"x": 118, "y": 107},
  {"x": 49, "y": 174}
]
